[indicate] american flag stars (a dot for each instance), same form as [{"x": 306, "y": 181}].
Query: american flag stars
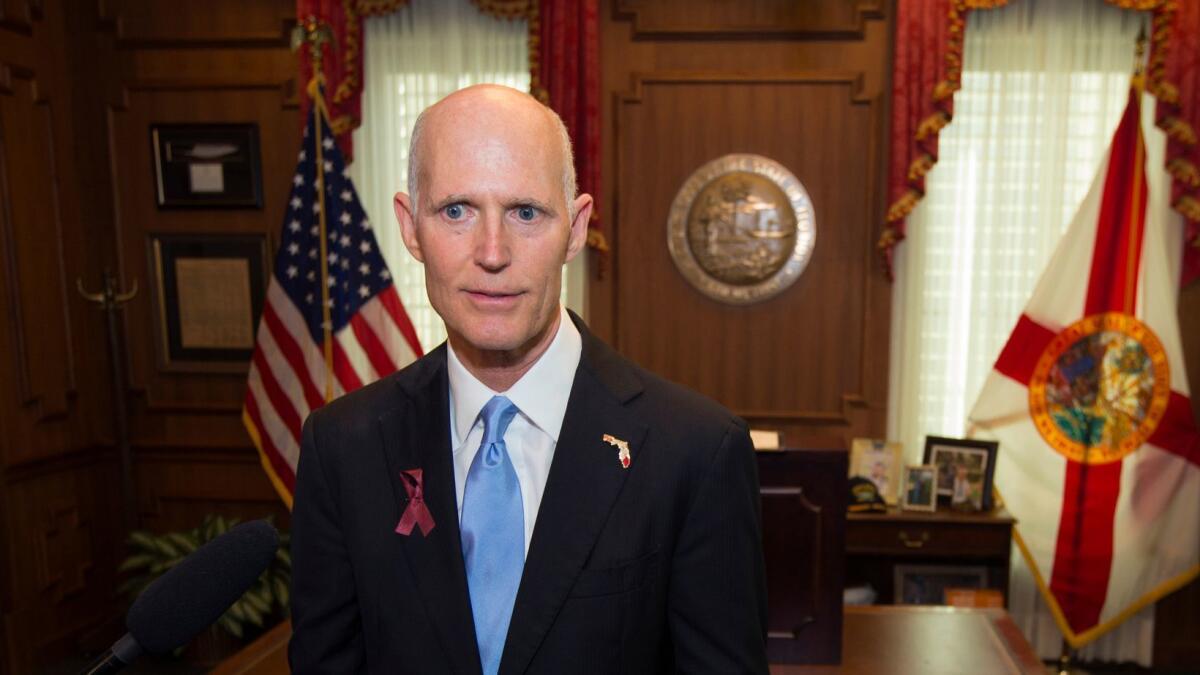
[{"x": 351, "y": 255}]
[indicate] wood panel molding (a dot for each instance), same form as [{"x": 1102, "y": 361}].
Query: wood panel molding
[
  {"x": 19, "y": 15},
  {"x": 64, "y": 551},
  {"x": 288, "y": 99},
  {"x": 845, "y": 407},
  {"x": 749, "y": 20},
  {"x": 218, "y": 24},
  {"x": 34, "y": 267}
]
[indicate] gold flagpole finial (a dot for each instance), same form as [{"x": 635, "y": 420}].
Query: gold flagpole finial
[
  {"x": 315, "y": 33},
  {"x": 1139, "y": 59}
]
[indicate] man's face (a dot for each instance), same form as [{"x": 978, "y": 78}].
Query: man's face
[{"x": 492, "y": 227}]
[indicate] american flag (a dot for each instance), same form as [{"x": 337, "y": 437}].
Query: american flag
[{"x": 328, "y": 273}]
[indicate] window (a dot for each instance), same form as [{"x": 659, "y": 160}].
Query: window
[{"x": 413, "y": 58}]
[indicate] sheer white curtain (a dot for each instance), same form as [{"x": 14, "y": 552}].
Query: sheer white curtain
[
  {"x": 414, "y": 57},
  {"x": 1044, "y": 83}
]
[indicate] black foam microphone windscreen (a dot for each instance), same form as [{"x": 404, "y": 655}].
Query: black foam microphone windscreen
[{"x": 197, "y": 591}]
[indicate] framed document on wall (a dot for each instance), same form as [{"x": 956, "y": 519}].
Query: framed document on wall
[
  {"x": 208, "y": 296},
  {"x": 206, "y": 166}
]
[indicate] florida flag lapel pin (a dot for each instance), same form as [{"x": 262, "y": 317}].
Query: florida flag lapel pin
[{"x": 622, "y": 449}]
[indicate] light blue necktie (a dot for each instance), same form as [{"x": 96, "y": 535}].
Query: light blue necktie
[{"x": 493, "y": 534}]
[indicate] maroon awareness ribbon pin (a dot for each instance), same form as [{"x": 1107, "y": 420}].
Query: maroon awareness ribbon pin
[{"x": 417, "y": 513}]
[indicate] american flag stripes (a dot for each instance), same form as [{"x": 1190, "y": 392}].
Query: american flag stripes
[{"x": 333, "y": 320}]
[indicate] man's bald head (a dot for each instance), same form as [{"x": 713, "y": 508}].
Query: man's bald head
[{"x": 491, "y": 104}]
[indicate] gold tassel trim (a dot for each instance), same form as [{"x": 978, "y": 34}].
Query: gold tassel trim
[
  {"x": 919, "y": 167},
  {"x": 1184, "y": 171},
  {"x": 932, "y": 125},
  {"x": 903, "y": 206},
  {"x": 597, "y": 241},
  {"x": 1136, "y": 5},
  {"x": 1178, "y": 130},
  {"x": 1188, "y": 207},
  {"x": 505, "y": 9}
]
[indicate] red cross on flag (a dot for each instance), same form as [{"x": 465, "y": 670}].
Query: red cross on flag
[{"x": 1100, "y": 461}]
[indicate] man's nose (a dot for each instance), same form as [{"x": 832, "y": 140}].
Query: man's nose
[{"x": 492, "y": 251}]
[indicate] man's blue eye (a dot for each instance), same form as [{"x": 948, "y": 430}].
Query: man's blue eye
[
  {"x": 454, "y": 211},
  {"x": 526, "y": 213}
]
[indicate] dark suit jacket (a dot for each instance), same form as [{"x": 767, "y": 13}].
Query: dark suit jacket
[{"x": 654, "y": 568}]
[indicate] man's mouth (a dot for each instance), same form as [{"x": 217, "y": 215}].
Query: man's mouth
[{"x": 492, "y": 298}]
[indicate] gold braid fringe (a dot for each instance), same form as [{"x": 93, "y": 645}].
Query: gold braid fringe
[
  {"x": 1169, "y": 117},
  {"x": 932, "y": 125},
  {"x": 501, "y": 9}
]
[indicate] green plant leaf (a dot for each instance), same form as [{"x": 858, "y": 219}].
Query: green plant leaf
[
  {"x": 222, "y": 525},
  {"x": 133, "y": 587},
  {"x": 235, "y": 610},
  {"x": 181, "y": 541},
  {"x": 142, "y": 540},
  {"x": 282, "y": 594},
  {"x": 283, "y": 556},
  {"x": 259, "y": 600},
  {"x": 164, "y": 545},
  {"x": 252, "y": 615},
  {"x": 232, "y": 625},
  {"x": 134, "y": 562}
]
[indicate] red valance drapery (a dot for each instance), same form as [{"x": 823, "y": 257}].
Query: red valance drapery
[
  {"x": 564, "y": 62},
  {"x": 927, "y": 71}
]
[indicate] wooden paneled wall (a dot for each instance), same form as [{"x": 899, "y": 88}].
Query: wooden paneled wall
[
  {"x": 805, "y": 84},
  {"x": 58, "y": 515},
  {"x": 226, "y": 61},
  {"x": 80, "y": 83}
]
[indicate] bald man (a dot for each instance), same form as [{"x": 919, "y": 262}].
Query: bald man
[{"x": 522, "y": 499}]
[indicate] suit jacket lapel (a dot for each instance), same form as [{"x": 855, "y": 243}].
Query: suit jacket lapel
[
  {"x": 417, "y": 435},
  {"x": 585, "y": 480}
]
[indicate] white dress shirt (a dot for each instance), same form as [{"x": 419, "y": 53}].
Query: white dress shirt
[{"x": 541, "y": 395}]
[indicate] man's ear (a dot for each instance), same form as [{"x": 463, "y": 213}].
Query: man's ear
[
  {"x": 408, "y": 224},
  {"x": 579, "y": 226}
]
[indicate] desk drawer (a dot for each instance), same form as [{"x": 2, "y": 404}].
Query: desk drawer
[{"x": 916, "y": 538}]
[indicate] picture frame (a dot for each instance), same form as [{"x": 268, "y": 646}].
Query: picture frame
[
  {"x": 966, "y": 468},
  {"x": 927, "y": 584},
  {"x": 206, "y": 166},
  {"x": 920, "y": 491},
  {"x": 879, "y": 462},
  {"x": 208, "y": 296}
]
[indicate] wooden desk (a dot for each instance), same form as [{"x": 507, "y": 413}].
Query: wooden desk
[
  {"x": 927, "y": 640},
  {"x": 876, "y": 640},
  {"x": 877, "y": 542}
]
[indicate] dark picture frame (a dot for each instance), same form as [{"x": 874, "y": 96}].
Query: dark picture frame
[
  {"x": 208, "y": 297},
  {"x": 927, "y": 584},
  {"x": 943, "y": 452},
  {"x": 206, "y": 166}
]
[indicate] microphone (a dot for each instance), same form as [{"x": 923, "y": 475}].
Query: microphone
[{"x": 192, "y": 595}]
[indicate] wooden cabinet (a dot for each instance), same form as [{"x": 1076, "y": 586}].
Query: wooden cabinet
[
  {"x": 877, "y": 542},
  {"x": 804, "y": 527}
]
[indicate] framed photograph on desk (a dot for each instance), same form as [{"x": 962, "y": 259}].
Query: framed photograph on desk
[
  {"x": 965, "y": 468},
  {"x": 920, "y": 492},
  {"x": 879, "y": 462}
]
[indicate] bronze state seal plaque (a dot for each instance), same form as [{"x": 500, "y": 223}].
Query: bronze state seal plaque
[{"x": 741, "y": 229}]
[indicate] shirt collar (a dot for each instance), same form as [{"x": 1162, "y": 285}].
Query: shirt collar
[{"x": 541, "y": 394}]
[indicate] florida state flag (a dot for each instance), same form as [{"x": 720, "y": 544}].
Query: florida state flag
[{"x": 1100, "y": 461}]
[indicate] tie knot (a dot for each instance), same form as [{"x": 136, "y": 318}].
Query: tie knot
[{"x": 497, "y": 415}]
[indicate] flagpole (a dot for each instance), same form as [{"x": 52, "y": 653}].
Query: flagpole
[{"x": 316, "y": 33}]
